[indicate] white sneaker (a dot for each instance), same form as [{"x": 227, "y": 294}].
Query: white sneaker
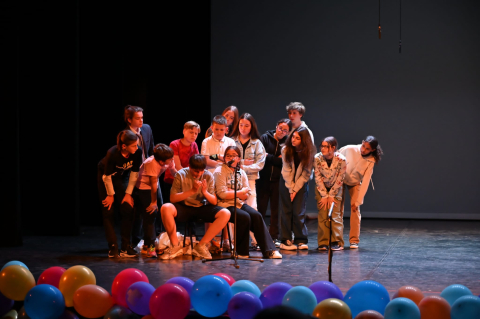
[
  {"x": 172, "y": 252},
  {"x": 288, "y": 245},
  {"x": 273, "y": 255},
  {"x": 302, "y": 246},
  {"x": 201, "y": 250}
]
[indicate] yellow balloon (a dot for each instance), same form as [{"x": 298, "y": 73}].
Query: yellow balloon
[
  {"x": 74, "y": 278},
  {"x": 332, "y": 308},
  {"x": 15, "y": 282}
]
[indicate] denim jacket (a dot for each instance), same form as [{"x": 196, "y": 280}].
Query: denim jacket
[{"x": 255, "y": 151}]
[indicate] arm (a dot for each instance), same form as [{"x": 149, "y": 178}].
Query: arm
[
  {"x": 259, "y": 159},
  {"x": 151, "y": 144},
  {"x": 153, "y": 193},
  {"x": 304, "y": 178},
  {"x": 287, "y": 173},
  {"x": 208, "y": 190},
  {"x": 204, "y": 152},
  {"x": 364, "y": 186},
  {"x": 337, "y": 185},
  {"x": 176, "y": 160},
  {"x": 318, "y": 177},
  {"x": 178, "y": 197}
]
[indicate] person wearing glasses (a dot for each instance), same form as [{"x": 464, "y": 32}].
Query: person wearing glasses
[
  {"x": 330, "y": 167},
  {"x": 360, "y": 162},
  {"x": 267, "y": 184}
]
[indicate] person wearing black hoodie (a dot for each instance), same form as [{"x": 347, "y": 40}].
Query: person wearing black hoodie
[{"x": 267, "y": 185}]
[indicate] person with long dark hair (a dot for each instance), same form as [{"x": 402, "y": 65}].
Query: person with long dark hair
[
  {"x": 360, "y": 162},
  {"x": 231, "y": 115},
  {"x": 297, "y": 156}
]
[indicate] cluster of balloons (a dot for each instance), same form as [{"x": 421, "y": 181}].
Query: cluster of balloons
[{"x": 214, "y": 295}]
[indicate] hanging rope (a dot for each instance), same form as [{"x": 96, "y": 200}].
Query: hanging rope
[
  {"x": 400, "y": 36},
  {"x": 379, "y": 26}
]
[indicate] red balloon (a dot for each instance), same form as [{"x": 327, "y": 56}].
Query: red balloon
[
  {"x": 169, "y": 301},
  {"x": 123, "y": 281},
  {"x": 51, "y": 276},
  {"x": 228, "y": 278}
]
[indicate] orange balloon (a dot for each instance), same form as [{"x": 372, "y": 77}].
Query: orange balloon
[
  {"x": 369, "y": 314},
  {"x": 410, "y": 292},
  {"x": 74, "y": 278},
  {"x": 434, "y": 307},
  {"x": 332, "y": 308},
  {"x": 15, "y": 282},
  {"x": 92, "y": 301}
]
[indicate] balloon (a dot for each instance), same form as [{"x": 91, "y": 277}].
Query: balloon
[
  {"x": 332, "y": 308},
  {"x": 434, "y": 307},
  {"x": 369, "y": 314},
  {"x": 12, "y": 314},
  {"x": 15, "y": 282},
  {"x": 325, "y": 289},
  {"x": 300, "y": 298},
  {"x": 74, "y": 278},
  {"x": 367, "y": 295},
  {"x": 123, "y": 281},
  {"x": 170, "y": 301},
  {"x": 228, "y": 278},
  {"x": 14, "y": 262},
  {"x": 44, "y": 302},
  {"x": 120, "y": 312},
  {"x": 410, "y": 292},
  {"x": 466, "y": 307},
  {"x": 5, "y": 304},
  {"x": 273, "y": 294},
  {"x": 185, "y": 283},
  {"x": 244, "y": 305},
  {"x": 453, "y": 292},
  {"x": 211, "y": 295},
  {"x": 22, "y": 314},
  {"x": 92, "y": 301},
  {"x": 402, "y": 308},
  {"x": 67, "y": 314},
  {"x": 148, "y": 317},
  {"x": 245, "y": 285},
  {"x": 51, "y": 276},
  {"x": 138, "y": 297}
]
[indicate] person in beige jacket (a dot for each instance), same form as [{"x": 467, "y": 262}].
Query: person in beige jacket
[{"x": 360, "y": 162}]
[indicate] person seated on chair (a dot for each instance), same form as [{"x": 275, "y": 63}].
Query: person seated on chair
[
  {"x": 247, "y": 217},
  {"x": 193, "y": 196}
]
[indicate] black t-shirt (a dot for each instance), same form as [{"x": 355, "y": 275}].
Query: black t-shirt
[
  {"x": 329, "y": 161},
  {"x": 115, "y": 164},
  {"x": 244, "y": 146}
]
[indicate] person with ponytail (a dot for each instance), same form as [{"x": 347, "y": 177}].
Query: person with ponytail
[
  {"x": 297, "y": 156},
  {"x": 116, "y": 178},
  {"x": 360, "y": 162}
]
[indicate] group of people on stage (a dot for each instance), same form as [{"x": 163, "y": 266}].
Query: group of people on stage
[{"x": 237, "y": 170}]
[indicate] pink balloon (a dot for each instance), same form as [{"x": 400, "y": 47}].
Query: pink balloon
[
  {"x": 170, "y": 301},
  {"x": 51, "y": 276},
  {"x": 228, "y": 278},
  {"x": 123, "y": 281}
]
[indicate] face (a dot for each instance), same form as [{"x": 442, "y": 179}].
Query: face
[
  {"x": 244, "y": 126},
  {"x": 136, "y": 120},
  {"x": 296, "y": 139},
  {"x": 218, "y": 131},
  {"x": 365, "y": 149},
  {"x": 131, "y": 149},
  {"x": 190, "y": 134},
  {"x": 196, "y": 173},
  {"x": 231, "y": 155},
  {"x": 230, "y": 116},
  {"x": 281, "y": 130},
  {"x": 166, "y": 163},
  {"x": 294, "y": 116},
  {"x": 327, "y": 150}
]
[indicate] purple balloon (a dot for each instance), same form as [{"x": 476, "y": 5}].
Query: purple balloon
[
  {"x": 5, "y": 304},
  {"x": 184, "y": 282},
  {"x": 244, "y": 305},
  {"x": 273, "y": 295},
  {"x": 67, "y": 314},
  {"x": 138, "y": 297},
  {"x": 324, "y": 290}
]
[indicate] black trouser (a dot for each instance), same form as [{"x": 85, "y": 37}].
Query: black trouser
[
  {"x": 143, "y": 199},
  {"x": 292, "y": 214},
  {"x": 138, "y": 231},
  {"x": 248, "y": 219},
  {"x": 126, "y": 211},
  {"x": 268, "y": 191}
]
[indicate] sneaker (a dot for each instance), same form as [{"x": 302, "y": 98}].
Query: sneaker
[
  {"x": 172, "y": 252},
  {"x": 128, "y": 252},
  {"x": 151, "y": 252},
  {"x": 288, "y": 245},
  {"x": 113, "y": 252},
  {"x": 302, "y": 246},
  {"x": 144, "y": 250},
  {"x": 322, "y": 248},
  {"x": 226, "y": 245},
  {"x": 201, "y": 250},
  {"x": 277, "y": 243},
  {"x": 353, "y": 245},
  {"x": 272, "y": 255},
  {"x": 243, "y": 256},
  {"x": 336, "y": 246}
]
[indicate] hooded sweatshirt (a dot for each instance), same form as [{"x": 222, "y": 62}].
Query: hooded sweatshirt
[{"x": 273, "y": 163}]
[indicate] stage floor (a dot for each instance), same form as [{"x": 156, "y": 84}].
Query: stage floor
[{"x": 430, "y": 255}]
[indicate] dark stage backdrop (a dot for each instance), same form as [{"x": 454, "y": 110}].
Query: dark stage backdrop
[{"x": 422, "y": 104}]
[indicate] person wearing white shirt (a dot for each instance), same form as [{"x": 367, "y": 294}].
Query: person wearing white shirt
[{"x": 214, "y": 146}]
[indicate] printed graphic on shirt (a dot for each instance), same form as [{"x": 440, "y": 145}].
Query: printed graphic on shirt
[{"x": 231, "y": 181}]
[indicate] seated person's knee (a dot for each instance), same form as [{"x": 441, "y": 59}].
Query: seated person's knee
[
  {"x": 224, "y": 214},
  {"x": 168, "y": 209}
]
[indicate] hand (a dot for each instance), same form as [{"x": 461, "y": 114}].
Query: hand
[
  {"x": 330, "y": 201},
  {"x": 152, "y": 208},
  {"x": 243, "y": 195},
  {"x": 108, "y": 201},
  {"x": 171, "y": 165},
  {"x": 204, "y": 186},
  {"x": 195, "y": 186},
  {"x": 323, "y": 203},
  {"x": 292, "y": 196},
  {"x": 128, "y": 199},
  {"x": 248, "y": 162}
]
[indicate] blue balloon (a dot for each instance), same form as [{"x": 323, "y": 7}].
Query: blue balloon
[
  {"x": 138, "y": 297},
  {"x": 244, "y": 305},
  {"x": 300, "y": 298},
  {"x": 325, "y": 290},
  {"x": 185, "y": 282},
  {"x": 453, "y": 292},
  {"x": 44, "y": 302},
  {"x": 210, "y": 296},
  {"x": 402, "y": 308},
  {"x": 5, "y": 304},
  {"x": 273, "y": 295},
  {"x": 14, "y": 262},
  {"x": 367, "y": 295},
  {"x": 466, "y": 307},
  {"x": 120, "y": 312},
  {"x": 245, "y": 285}
]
